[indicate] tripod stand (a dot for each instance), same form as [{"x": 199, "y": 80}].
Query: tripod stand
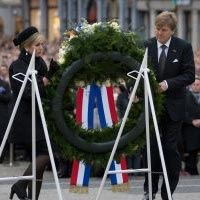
[
  {"x": 143, "y": 72},
  {"x": 35, "y": 93}
]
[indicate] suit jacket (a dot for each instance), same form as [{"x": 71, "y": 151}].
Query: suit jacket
[{"x": 179, "y": 72}]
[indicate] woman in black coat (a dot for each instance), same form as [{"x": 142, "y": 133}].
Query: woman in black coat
[
  {"x": 5, "y": 97},
  {"x": 21, "y": 132},
  {"x": 191, "y": 127}
]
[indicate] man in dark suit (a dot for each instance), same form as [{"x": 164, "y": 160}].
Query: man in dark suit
[{"x": 173, "y": 63}]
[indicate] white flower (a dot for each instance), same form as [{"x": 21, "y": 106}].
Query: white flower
[
  {"x": 85, "y": 30},
  {"x": 96, "y": 25},
  {"x": 61, "y": 60},
  {"x": 62, "y": 51},
  {"x": 115, "y": 26}
]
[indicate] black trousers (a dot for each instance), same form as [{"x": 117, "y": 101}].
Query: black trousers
[
  {"x": 169, "y": 133},
  {"x": 191, "y": 163}
]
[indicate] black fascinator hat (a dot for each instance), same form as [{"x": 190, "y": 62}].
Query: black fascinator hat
[{"x": 25, "y": 34}]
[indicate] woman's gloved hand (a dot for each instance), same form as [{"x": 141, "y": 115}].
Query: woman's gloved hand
[{"x": 53, "y": 68}]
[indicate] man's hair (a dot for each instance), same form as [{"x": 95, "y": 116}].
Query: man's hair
[
  {"x": 166, "y": 18},
  {"x": 197, "y": 77}
]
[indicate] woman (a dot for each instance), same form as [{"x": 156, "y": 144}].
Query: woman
[
  {"x": 21, "y": 132},
  {"x": 191, "y": 127}
]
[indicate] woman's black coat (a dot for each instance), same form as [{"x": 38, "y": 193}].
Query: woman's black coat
[{"x": 21, "y": 131}]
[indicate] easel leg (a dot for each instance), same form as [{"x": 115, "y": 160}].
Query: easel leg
[
  {"x": 47, "y": 139},
  {"x": 146, "y": 78}
]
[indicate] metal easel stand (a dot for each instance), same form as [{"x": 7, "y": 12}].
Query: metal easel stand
[
  {"x": 35, "y": 92},
  {"x": 143, "y": 72}
]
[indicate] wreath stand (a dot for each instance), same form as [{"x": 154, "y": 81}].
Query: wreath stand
[
  {"x": 35, "y": 92},
  {"x": 143, "y": 72}
]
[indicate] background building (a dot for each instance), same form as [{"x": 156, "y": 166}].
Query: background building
[
  {"x": 53, "y": 17},
  {"x": 10, "y": 17}
]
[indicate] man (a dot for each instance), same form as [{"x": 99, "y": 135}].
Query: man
[
  {"x": 191, "y": 127},
  {"x": 173, "y": 63}
]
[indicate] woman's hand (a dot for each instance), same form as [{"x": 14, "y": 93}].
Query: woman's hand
[
  {"x": 46, "y": 81},
  {"x": 53, "y": 68}
]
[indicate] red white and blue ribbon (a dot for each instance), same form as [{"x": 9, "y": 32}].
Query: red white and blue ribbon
[
  {"x": 119, "y": 178},
  {"x": 109, "y": 105},
  {"x": 93, "y": 96},
  {"x": 85, "y": 103},
  {"x": 79, "y": 105},
  {"x": 80, "y": 174},
  {"x": 95, "y": 100}
]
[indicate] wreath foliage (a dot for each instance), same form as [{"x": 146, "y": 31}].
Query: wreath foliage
[{"x": 103, "y": 38}]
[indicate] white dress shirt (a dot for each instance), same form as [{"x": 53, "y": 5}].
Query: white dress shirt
[
  {"x": 160, "y": 48},
  {"x": 166, "y": 51}
]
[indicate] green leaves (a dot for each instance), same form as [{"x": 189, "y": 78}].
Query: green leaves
[{"x": 99, "y": 37}]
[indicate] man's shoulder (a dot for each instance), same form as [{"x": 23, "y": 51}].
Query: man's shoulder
[
  {"x": 180, "y": 42},
  {"x": 190, "y": 95},
  {"x": 177, "y": 40}
]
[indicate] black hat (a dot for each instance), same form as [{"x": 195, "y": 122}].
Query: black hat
[{"x": 25, "y": 34}]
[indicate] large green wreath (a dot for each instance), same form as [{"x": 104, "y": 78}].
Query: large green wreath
[{"x": 97, "y": 53}]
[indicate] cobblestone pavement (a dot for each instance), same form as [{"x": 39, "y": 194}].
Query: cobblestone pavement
[{"x": 188, "y": 188}]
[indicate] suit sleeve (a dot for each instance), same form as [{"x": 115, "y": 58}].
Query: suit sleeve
[{"x": 187, "y": 70}]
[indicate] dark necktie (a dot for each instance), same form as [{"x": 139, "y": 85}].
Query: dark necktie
[{"x": 162, "y": 61}]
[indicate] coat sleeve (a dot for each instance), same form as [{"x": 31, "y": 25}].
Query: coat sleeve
[{"x": 18, "y": 67}]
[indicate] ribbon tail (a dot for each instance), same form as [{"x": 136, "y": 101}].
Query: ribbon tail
[{"x": 100, "y": 108}]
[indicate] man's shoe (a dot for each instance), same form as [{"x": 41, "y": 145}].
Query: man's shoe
[{"x": 146, "y": 196}]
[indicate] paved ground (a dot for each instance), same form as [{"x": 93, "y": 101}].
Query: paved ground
[{"x": 188, "y": 188}]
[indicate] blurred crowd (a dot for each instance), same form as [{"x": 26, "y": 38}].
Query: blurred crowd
[
  {"x": 9, "y": 53},
  {"x": 191, "y": 126},
  {"x": 197, "y": 61}
]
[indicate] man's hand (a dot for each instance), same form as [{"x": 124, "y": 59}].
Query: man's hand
[
  {"x": 136, "y": 99},
  {"x": 196, "y": 123},
  {"x": 163, "y": 86}
]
